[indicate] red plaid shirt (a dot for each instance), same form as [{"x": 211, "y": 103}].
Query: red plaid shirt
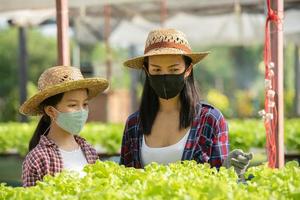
[
  {"x": 45, "y": 158},
  {"x": 207, "y": 140}
]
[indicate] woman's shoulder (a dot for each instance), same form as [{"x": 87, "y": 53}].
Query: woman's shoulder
[
  {"x": 207, "y": 110},
  {"x": 132, "y": 126},
  {"x": 132, "y": 119}
]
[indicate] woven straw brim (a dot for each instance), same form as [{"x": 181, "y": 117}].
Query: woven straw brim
[
  {"x": 94, "y": 86},
  {"x": 138, "y": 62}
]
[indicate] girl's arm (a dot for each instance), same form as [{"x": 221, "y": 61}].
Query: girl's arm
[{"x": 30, "y": 173}]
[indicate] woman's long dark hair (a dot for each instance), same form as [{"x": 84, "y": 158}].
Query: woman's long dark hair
[
  {"x": 150, "y": 104},
  {"x": 45, "y": 120}
]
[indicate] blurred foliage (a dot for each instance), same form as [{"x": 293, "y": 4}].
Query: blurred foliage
[
  {"x": 10, "y": 111},
  {"x": 9, "y": 62},
  {"x": 216, "y": 66},
  {"x": 238, "y": 73},
  {"x": 230, "y": 78},
  {"x": 41, "y": 55},
  {"x": 107, "y": 138},
  {"x": 233, "y": 71},
  {"x": 244, "y": 105},
  {"x": 220, "y": 101},
  {"x": 99, "y": 56},
  {"x": 289, "y": 102}
]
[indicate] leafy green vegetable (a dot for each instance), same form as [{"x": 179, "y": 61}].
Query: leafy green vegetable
[
  {"x": 243, "y": 134},
  {"x": 187, "y": 180},
  {"x": 14, "y": 137},
  {"x": 248, "y": 133}
]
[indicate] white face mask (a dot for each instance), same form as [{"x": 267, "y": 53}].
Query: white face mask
[{"x": 72, "y": 122}]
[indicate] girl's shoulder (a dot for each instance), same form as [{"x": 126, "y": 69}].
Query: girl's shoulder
[
  {"x": 37, "y": 155},
  {"x": 43, "y": 152}
]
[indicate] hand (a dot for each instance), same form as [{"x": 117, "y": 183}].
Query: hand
[{"x": 239, "y": 160}]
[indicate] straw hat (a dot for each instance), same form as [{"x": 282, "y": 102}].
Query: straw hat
[
  {"x": 61, "y": 79},
  {"x": 166, "y": 42}
]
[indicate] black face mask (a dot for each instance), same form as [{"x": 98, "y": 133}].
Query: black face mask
[{"x": 168, "y": 85}]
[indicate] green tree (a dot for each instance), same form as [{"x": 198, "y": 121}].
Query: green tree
[{"x": 41, "y": 55}]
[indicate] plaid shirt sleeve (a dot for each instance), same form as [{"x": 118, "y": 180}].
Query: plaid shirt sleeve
[
  {"x": 207, "y": 143},
  {"x": 220, "y": 145},
  {"x": 45, "y": 159},
  {"x": 126, "y": 153},
  {"x": 130, "y": 143},
  {"x": 31, "y": 172}
]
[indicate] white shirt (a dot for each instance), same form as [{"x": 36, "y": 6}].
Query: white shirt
[
  {"x": 163, "y": 155},
  {"x": 74, "y": 160}
]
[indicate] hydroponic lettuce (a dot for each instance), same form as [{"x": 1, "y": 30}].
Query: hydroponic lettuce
[
  {"x": 108, "y": 136},
  {"x": 108, "y": 180},
  {"x": 243, "y": 134},
  {"x": 14, "y": 137}
]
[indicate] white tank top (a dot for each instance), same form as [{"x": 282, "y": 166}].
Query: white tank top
[
  {"x": 73, "y": 160},
  {"x": 163, "y": 155}
]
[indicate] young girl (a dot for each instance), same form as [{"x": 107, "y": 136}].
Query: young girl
[
  {"x": 62, "y": 102},
  {"x": 171, "y": 123}
]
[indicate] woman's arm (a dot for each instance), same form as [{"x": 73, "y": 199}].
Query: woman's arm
[
  {"x": 126, "y": 157},
  {"x": 220, "y": 143}
]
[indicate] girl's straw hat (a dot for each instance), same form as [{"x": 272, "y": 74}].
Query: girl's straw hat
[
  {"x": 166, "y": 42},
  {"x": 61, "y": 79}
]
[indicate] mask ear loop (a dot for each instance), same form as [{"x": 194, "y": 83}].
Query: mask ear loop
[
  {"x": 46, "y": 130},
  {"x": 51, "y": 120},
  {"x": 55, "y": 109},
  {"x": 146, "y": 70},
  {"x": 191, "y": 66}
]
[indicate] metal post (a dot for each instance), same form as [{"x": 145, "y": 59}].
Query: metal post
[
  {"x": 297, "y": 81},
  {"x": 62, "y": 20},
  {"x": 23, "y": 68},
  {"x": 134, "y": 81},
  {"x": 276, "y": 34}
]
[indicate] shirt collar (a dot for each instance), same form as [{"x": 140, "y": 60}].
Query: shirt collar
[{"x": 45, "y": 141}]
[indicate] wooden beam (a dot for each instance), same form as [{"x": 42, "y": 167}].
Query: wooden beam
[
  {"x": 163, "y": 12},
  {"x": 62, "y": 20},
  {"x": 107, "y": 30},
  {"x": 23, "y": 64},
  {"x": 297, "y": 82}
]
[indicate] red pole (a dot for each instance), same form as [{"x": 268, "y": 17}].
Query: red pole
[
  {"x": 62, "y": 20},
  {"x": 276, "y": 34},
  {"x": 273, "y": 58}
]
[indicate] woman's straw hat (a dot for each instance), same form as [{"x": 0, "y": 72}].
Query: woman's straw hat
[
  {"x": 166, "y": 42},
  {"x": 61, "y": 79}
]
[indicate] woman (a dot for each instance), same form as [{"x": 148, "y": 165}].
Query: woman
[
  {"x": 171, "y": 123},
  {"x": 62, "y": 102}
]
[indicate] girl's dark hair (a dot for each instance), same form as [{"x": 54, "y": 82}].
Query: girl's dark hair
[
  {"x": 45, "y": 120},
  {"x": 150, "y": 104}
]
